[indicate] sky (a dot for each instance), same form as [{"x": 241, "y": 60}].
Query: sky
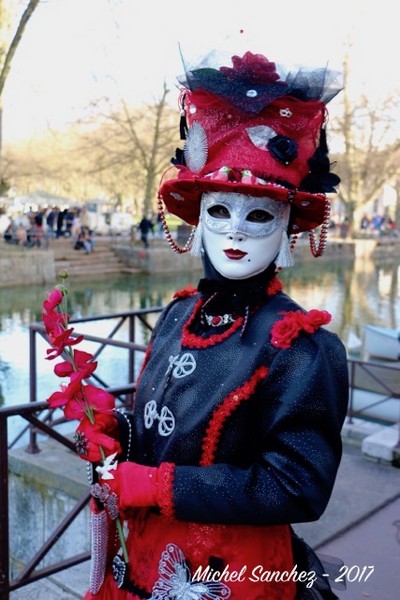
[{"x": 74, "y": 51}]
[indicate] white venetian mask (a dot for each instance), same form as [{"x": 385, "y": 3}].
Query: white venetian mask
[{"x": 241, "y": 234}]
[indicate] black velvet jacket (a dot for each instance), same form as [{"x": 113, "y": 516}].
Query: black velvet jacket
[{"x": 254, "y": 430}]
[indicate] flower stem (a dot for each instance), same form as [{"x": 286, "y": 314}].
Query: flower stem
[{"x": 122, "y": 539}]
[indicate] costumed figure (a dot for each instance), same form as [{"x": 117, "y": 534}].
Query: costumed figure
[{"x": 236, "y": 429}]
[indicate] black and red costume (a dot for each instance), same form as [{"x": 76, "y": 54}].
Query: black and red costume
[
  {"x": 247, "y": 438},
  {"x": 241, "y": 400}
]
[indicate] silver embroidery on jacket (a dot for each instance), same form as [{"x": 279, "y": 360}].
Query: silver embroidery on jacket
[
  {"x": 175, "y": 580},
  {"x": 181, "y": 366},
  {"x": 166, "y": 420}
]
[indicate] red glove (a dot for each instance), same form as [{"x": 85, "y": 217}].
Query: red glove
[{"x": 135, "y": 485}]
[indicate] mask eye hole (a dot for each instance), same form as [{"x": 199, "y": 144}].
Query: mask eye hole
[
  {"x": 259, "y": 216},
  {"x": 219, "y": 211}
]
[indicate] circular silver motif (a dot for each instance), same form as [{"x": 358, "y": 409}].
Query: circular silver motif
[
  {"x": 182, "y": 366},
  {"x": 166, "y": 420}
]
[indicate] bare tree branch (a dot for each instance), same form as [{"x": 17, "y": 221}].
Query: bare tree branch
[{"x": 15, "y": 41}]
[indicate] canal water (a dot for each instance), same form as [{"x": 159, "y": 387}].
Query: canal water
[{"x": 354, "y": 292}]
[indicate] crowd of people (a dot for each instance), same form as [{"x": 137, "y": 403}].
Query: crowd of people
[
  {"x": 36, "y": 228},
  {"x": 379, "y": 224},
  {"x": 26, "y": 230}
]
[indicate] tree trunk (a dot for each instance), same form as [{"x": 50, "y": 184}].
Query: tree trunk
[
  {"x": 397, "y": 207},
  {"x": 15, "y": 41},
  {"x": 8, "y": 57}
]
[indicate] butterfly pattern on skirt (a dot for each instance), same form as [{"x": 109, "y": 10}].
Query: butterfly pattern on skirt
[{"x": 175, "y": 580}]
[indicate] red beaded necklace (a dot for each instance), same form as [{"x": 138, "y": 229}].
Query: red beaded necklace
[{"x": 192, "y": 340}]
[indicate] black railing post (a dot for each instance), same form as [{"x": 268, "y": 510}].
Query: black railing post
[
  {"x": 351, "y": 390},
  {"x": 4, "y": 516},
  {"x": 32, "y": 447},
  {"x": 131, "y": 366},
  {"x": 131, "y": 357},
  {"x": 32, "y": 365}
]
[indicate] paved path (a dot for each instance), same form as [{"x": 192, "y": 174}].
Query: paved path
[
  {"x": 361, "y": 526},
  {"x": 373, "y": 546}
]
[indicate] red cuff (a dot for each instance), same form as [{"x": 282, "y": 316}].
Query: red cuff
[{"x": 165, "y": 489}]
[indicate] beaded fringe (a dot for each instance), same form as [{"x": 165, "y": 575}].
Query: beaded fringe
[{"x": 98, "y": 542}]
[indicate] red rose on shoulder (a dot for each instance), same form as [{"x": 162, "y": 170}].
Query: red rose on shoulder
[
  {"x": 286, "y": 330},
  {"x": 283, "y": 332},
  {"x": 316, "y": 318}
]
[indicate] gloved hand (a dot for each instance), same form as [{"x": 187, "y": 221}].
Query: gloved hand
[{"x": 134, "y": 484}]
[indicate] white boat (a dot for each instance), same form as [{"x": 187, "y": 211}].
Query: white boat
[
  {"x": 353, "y": 343},
  {"x": 382, "y": 342}
]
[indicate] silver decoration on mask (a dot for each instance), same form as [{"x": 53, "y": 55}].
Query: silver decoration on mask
[{"x": 239, "y": 207}]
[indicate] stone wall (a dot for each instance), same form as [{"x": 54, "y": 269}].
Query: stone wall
[
  {"x": 27, "y": 267},
  {"x": 40, "y": 266},
  {"x": 156, "y": 259},
  {"x": 44, "y": 487}
]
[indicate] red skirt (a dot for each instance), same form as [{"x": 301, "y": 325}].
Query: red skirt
[{"x": 230, "y": 561}]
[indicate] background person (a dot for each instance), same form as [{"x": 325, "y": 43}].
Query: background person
[{"x": 145, "y": 227}]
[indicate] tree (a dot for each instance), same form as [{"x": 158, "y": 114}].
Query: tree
[
  {"x": 119, "y": 153},
  {"x": 7, "y": 54},
  {"x": 371, "y": 156},
  {"x": 128, "y": 151}
]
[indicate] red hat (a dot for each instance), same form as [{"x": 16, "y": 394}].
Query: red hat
[{"x": 252, "y": 132}]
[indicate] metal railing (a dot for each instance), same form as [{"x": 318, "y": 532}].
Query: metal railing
[
  {"x": 131, "y": 318},
  {"x": 382, "y": 381},
  {"x": 40, "y": 418}
]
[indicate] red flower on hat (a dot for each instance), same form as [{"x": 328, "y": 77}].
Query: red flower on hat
[{"x": 252, "y": 67}]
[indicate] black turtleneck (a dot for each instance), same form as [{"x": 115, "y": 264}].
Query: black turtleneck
[{"x": 233, "y": 295}]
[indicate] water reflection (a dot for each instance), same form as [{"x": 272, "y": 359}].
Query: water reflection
[{"x": 355, "y": 293}]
